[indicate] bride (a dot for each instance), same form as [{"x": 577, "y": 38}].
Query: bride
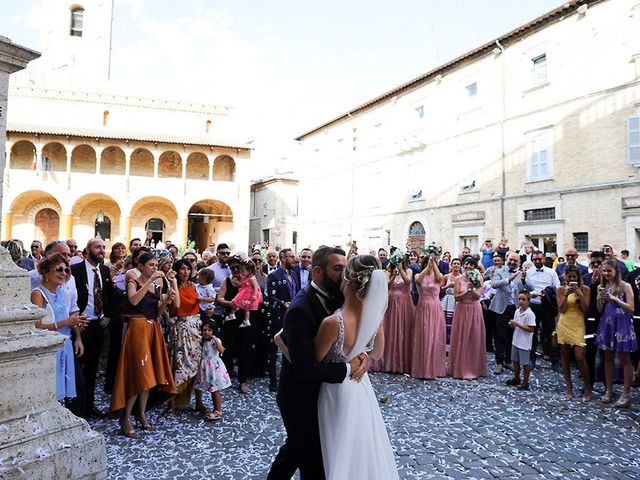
[{"x": 354, "y": 439}]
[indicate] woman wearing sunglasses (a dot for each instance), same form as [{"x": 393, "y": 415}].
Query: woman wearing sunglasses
[{"x": 51, "y": 296}]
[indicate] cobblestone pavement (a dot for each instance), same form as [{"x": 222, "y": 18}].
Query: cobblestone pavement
[{"x": 439, "y": 429}]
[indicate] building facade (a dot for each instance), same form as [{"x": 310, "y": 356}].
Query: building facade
[
  {"x": 532, "y": 136},
  {"x": 85, "y": 159},
  {"x": 274, "y": 212}
]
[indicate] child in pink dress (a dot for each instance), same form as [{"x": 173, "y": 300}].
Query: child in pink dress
[{"x": 249, "y": 295}]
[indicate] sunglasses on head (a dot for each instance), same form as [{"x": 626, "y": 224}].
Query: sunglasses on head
[{"x": 66, "y": 270}]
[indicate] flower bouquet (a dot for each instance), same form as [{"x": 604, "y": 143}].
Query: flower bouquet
[
  {"x": 432, "y": 248},
  {"x": 474, "y": 277},
  {"x": 396, "y": 258}
]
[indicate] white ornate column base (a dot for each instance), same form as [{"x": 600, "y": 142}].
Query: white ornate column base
[{"x": 38, "y": 437}]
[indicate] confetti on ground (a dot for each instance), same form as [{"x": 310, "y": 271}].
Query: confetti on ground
[{"x": 438, "y": 429}]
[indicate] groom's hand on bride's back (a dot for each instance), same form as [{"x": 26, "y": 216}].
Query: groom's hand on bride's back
[{"x": 359, "y": 366}]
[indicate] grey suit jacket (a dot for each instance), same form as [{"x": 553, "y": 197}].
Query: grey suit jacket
[{"x": 500, "y": 282}]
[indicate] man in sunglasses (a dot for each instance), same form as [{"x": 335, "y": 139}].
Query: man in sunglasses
[
  {"x": 36, "y": 251},
  {"x": 571, "y": 254},
  {"x": 592, "y": 317}
]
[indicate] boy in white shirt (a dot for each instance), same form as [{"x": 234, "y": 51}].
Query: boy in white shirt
[
  {"x": 524, "y": 322},
  {"x": 206, "y": 293}
]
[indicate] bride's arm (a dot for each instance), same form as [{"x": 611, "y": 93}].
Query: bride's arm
[
  {"x": 277, "y": 339},
  {"x": 378, "y": 345},
  {"x": 326, "y": 336}
]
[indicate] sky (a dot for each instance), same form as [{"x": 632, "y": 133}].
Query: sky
[{"x": 285, "y": 66}]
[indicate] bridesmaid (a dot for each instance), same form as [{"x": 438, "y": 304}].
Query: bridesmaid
[
  {"x": 448, "y": 301},
  {"x": 398, "y": 319},
  {"x": 430, "y": 331},
  {"x": 468, "y": 359}
]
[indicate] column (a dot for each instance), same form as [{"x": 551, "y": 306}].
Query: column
[
  {"x": 210, "y": 158},
  {"x": 182, "y": 229},
  {"x": 7, "y": 225},
  {"x": 69, "y": 152},
  {"x": 98, "y": 151},
  {"x": 125, "y": 229},
  {"x": 156, "y": 161},
  {"x": 127, "y": 166},
  {"x": 66, "y": 226}
]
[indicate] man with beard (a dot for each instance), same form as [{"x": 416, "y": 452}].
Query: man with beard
[
  {"x": 300, "y": 379},
  {"x": 93, "y": 282},
  {"x": 282, "y": 288}
]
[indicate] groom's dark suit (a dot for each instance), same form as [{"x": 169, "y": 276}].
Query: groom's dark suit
[{"x": 299, "y": 387}]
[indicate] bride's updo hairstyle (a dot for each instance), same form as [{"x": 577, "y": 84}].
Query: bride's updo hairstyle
[{"x": 358, "y": 273}]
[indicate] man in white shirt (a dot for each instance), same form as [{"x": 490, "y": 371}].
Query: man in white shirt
[{"x": 542, "y": 282}]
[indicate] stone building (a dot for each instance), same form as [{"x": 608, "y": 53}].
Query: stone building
[
  {"x": 534, "y": 135},
  {"x": 274, "y": 211},
  {"x": 85, "y": 158}
]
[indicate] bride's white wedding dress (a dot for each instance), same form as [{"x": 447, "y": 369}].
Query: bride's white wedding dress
[{"x": 354, "y": 439}]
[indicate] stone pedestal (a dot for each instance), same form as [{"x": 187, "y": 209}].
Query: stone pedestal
[{"x": 39, "y": 439}]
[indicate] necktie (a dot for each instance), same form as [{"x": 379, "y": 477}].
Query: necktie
[
  {"x": 539, "y": 270},
  {"x": 97, "y": 294}
]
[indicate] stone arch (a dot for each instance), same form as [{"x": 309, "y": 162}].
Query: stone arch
[
  {"x": 197, "y": 166},
  {"x": 417, "y": 235},
  {"x": 224, "y": 168},
  {"x": 83, "y": 159},
  {"x": 23, "y": 155},
  {"x": 24, "y": 210},
  {"x": 57, "y": 155},
  {"x": 113, "y": 161},
  {"x": 146, "y": 208},
  {"x": 141, "y": 163},
  {"x": 86, "y": 211},
  {"x": 209, "y": 220},
  {"x": 170, "y": 165}
]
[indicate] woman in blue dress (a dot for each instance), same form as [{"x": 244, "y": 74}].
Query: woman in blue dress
[
  {"x": 615, "y": 330},
  {"x": 487, "y": 251},
  {"x": 52, "y": 296}
]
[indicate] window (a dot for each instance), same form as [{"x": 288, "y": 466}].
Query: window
[
  {"x": 539, "y": 158},
  {"x": 420, "y": 112},
  {"x": 77, "y": 19},
  {"x": 265, "y": 236},
  {"x": 633, "y": 133},
  {"x": 102, "y": 228},
  {"x": 534, "y": 214},
  {"x": 468, "y": 185},
  {"x": 539, "y": 70},
  {"x": 105, "y": 118},
  {"x": 416, "y": 228},
  {"x": 581, "y": 241},
  {"x": 156, "y": 227},
  {"x": 472, "y": 90},
  {"x": 44, "y": 165}
]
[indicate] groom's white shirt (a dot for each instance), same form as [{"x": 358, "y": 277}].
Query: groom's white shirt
[{"x": 323, "y": 300}]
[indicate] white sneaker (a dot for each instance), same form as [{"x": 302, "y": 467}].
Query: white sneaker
[
  {"x": 498, "y": 370},
  {"x": 245, "y": 323}
]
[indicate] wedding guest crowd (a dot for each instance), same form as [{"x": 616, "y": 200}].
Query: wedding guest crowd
[{"x": 170, "y": 322}]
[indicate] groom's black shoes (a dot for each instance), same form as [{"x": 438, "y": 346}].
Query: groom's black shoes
[{"x": 273, "y": 385}]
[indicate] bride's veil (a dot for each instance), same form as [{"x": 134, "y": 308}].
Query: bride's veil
[{"x": 373, "y": 309}]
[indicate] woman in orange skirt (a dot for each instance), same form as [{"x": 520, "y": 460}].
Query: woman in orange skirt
[{"x": 144, "y": 363}]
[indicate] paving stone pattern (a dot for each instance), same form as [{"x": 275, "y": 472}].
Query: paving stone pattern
[{"x": 438, "y": 429}]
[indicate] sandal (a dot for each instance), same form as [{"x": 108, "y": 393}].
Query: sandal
[
  {"x": 523, "y": 386},
  {"x": 169, "y": 413},
  {"x": 202, "y": 409},
  {"x": 586, "y": 397},
  {"x": 146, "y": 425},
  {"x": 607, "y": 397},
  {"x": 127, "y": 429},
  {"x": 513, "y": 382},
  {"x": 215, "y": 415},
  {"x": 623, "y": 402}
]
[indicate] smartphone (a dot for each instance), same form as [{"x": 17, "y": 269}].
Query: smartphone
[{"x": 573, "y": 284}]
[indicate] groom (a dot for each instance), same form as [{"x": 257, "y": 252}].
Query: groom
[{"x": 300, "y": 379}]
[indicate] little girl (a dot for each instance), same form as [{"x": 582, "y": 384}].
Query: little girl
[
  {"x": 206, "y": 293},
  {"x": 212, "y": 375},
  {"x": 249, "y": 295}
]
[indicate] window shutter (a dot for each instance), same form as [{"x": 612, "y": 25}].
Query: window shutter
[{"x": 633, "y": 134}]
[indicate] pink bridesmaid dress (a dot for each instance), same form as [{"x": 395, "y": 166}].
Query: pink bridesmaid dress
[
  {"x": 398, "y": 322},
  {"x": 468, "y": 357},
  {"x": 429, "y": 332}
]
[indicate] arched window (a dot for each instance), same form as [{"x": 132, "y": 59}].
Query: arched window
[
  {"x": 105, "y": 118},
  {"x": 416, "y": 228},
  {"x": 102, "y": 226},
  {"x": 417, "y": 236},
  {"x": 156, "y": 227},
  {"x": 77, "y": 20}
]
